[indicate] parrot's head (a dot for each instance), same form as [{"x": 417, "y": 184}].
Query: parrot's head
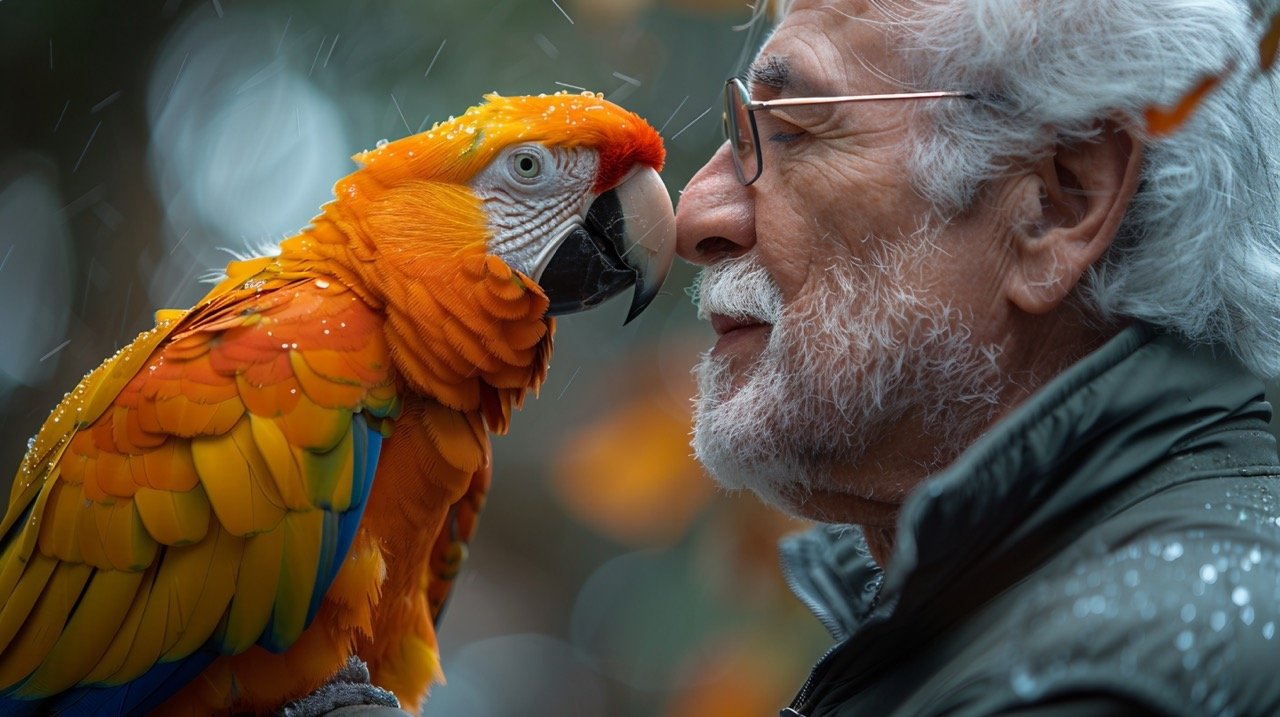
[{"x": 566, "y": 186}]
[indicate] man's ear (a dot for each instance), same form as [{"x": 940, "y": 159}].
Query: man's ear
[{"x": 1072, "y": 203}]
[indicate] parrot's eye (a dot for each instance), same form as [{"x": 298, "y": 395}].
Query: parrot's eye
[{"x": 526, "y": 164}]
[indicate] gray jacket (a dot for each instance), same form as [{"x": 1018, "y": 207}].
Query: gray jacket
[{"x": 1111, "y": 548}]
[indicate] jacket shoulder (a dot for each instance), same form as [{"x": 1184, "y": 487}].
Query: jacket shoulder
[{"x": 1173, "y": 604}]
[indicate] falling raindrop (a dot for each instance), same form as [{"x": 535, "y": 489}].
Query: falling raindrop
[{"x": 1240, "y": 596}]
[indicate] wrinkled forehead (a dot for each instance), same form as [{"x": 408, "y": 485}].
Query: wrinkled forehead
[{"x": 830, "y": 47}]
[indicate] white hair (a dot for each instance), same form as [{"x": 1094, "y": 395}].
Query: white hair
[{"x": 1198, "y": 252}]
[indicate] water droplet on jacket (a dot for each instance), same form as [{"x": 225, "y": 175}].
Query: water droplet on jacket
[
  {"x": 1208, "y": 573},
  {"x": 1218, "y": 620},
  {"x": 1185, "y": 640},
  {"x": 1081, "y": 607},
  {"x": 1198, "y": 690},
  {"x": 1024, "y": 685}
]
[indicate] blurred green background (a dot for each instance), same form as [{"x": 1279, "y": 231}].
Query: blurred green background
[{"x": 138, "y": 146}]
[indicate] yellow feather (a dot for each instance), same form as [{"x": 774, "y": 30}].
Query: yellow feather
[
  {"x": 116, "y": 653},
  {"x": 174, "y": 606},
  {"x": 297, "y": 574},
  {"x": 311, "y": 426},
  {"x": 174, "y": 517},
  {"x": 328, "y": 472},
  {"x": 236, "y": 479},
  {"x": 211, "y": 581},
  {"x": 255, "y": 591},
  {"x": 112, "y": 536},
  {"x": 58, "y": 537},
  {"x": 279, "y": 456},
  {"x": 88, "y": 633},
  {"x": 129, "y": 546},
  {"x": 43, "y": 626},
  {"x": 22, "y": 598}
]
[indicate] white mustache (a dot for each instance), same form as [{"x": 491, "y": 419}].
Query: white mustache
[{"x": 738, "y": 288}]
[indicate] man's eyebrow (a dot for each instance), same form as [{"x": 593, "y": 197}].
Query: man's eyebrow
[{"x": 773, "y": 72}]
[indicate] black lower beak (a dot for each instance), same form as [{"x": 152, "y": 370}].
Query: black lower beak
[
  {"x": 627, "y": 238},
  {"x": 588, "y": 267}
]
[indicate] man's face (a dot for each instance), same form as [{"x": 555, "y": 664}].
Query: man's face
[{"x": 845, "y": 317}]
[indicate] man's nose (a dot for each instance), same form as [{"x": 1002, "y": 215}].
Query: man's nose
[{"x": 715, "y": 218}]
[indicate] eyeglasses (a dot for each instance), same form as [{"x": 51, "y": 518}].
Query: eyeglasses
[{"x": 740, "y": 119}]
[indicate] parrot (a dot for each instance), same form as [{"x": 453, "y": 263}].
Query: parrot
[{"x": 287, "y": 474}]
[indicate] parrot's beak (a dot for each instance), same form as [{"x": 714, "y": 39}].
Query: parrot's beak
[{"x": 628, "y": 237}]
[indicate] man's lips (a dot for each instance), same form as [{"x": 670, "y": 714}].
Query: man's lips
[{"x": 723, "y": 325}]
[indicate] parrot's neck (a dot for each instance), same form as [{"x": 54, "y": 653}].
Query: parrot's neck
[{"x": 463, "y": 328}]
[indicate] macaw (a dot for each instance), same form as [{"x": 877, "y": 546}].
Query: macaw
[{"x": 287, "y": 474}]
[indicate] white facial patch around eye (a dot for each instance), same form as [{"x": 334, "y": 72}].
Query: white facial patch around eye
[{"x": 527, "y": 218}]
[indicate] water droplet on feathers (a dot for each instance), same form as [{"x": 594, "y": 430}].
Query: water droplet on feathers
[{"x": 381, "y": 143}]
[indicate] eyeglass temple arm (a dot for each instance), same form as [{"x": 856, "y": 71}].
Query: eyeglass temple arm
[{"x": 795, "y": 101}]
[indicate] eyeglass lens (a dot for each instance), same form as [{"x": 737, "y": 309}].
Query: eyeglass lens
[{"x": 738, "y": 129}]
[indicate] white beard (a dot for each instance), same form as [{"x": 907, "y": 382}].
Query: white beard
[{"x": 842, "y": 365}]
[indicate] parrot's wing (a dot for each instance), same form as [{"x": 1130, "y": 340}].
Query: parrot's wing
[{"x": 194, "y": 495}]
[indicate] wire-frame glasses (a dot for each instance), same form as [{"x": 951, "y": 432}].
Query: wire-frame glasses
[{"x": 740, "y": 119}]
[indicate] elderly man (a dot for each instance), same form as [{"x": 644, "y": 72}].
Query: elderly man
[{"x": 1007, "y": 346}]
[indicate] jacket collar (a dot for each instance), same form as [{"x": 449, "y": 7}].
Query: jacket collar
[{"x": 1090, "y": 439}]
